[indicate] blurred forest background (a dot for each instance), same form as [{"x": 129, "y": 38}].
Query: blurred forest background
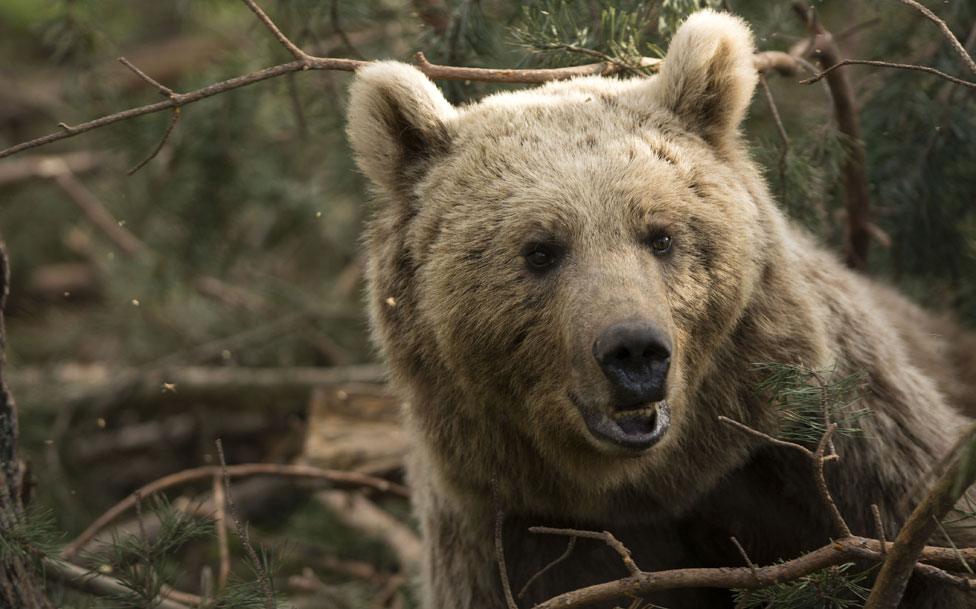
[{"x": 217, "y": 291}]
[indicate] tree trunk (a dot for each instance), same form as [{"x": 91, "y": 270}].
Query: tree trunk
[{"x": 20, "y": 586}]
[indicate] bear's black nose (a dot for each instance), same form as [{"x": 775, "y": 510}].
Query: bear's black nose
[{"x": 634, "y": 356}]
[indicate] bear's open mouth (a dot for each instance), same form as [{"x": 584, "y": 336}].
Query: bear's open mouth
[{"x": 634, "y": 430}]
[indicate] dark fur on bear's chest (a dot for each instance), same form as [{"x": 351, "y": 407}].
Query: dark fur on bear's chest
[
  {"x": 770, "y": 506},
  {"x": 760, "y": 505}
]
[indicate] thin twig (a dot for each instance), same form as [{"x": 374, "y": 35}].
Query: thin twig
[
  {"x": 783, "y": 136},
  {"x": 234, "y": 471},
  {"x": 955, "y": 548},
  {"x": 888, "y": 64},
  {"x": 745, "y": 556},
  {"x": 500, "y": 559},
  {"x": 220, "y": 522},
  {"x": 163, "y": 89},
  {"x": 264, "y": 578},
  {"x": 623, "y": 65},
  {"x": 173, "y": 120},
  {"x": 292, "y": 48},
  {"x": 569, "y": 550},
  {"x": 819, "y": 459},
  {"x": 879, "y": 528},
  {"x": 764, "y": 436},
  {"x": 956, "y": 45},
  {"x": 604, "y": 536},
  {"x": 824, "y": 408}
]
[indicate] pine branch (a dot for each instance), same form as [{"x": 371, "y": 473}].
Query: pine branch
[{"x": 259, "y": 566}]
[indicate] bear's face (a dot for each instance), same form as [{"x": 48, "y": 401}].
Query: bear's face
[{"x": 569, "y": 255}]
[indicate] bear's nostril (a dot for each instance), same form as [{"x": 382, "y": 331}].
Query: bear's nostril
[{"x": 635, "y": 357}]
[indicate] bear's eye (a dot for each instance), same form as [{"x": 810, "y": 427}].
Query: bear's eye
[
  {"x": 541, "y": 257},
  {"x": 660, "y": 244}
]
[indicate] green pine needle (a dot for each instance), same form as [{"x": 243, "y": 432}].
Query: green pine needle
[
  {"x": 673, "y": 12},
  {"x": 564, "y": 32},
  {"x": 803, "y": 395},
  {"x": 831, "y": 588}
]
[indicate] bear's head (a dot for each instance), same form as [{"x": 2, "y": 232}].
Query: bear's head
[{"x": 552, "y": 270}]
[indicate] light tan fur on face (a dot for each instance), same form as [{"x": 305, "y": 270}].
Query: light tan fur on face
[{"x": 487, "y": 355}]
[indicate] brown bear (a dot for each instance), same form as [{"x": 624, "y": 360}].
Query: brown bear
[{"x": 572, "y": 283}]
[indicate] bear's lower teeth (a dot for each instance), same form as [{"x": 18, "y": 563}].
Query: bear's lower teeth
[{"x": 643, "y": 413}]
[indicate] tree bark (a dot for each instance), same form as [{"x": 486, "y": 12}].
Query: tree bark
[{"x": 20, "y": 586}]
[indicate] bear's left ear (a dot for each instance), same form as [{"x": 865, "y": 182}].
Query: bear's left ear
[
  {"x": 708, "y": 77},
  {"x": 397, "y": 125}
]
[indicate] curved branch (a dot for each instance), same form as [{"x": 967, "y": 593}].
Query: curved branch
[
  {"x": 888, "y": 64},
  {"x": 957, "y": 46},
  {"x": 233, "y": 471}
]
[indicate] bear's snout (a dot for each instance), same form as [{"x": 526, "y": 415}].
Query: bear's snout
[{"x": 634, "y": 356}]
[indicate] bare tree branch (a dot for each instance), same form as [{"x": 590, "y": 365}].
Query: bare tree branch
[
  {"x": 780, "y": 62},
  {"x": 174, "y": 119},
  {"x": 604, "y": 536},
  {"x": 783, "y": 136},
  {"x": 879, "y": 528},
  {"x": 96, "y": 583},
  {"x": 234, "y": 471},
  {"x": 910, "y": 542},
  {"x": 887, "y": 64},
  {"x": 163, "y": 90},
  {"x": 290, "y": 46},
  {"x": 548, "y": 567},
  {"x": 857, "y": 200},
  {"x": 956, "y": 45},
  {"x": 838, "y": 552}
]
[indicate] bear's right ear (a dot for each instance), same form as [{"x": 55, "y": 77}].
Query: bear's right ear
[{"x": 397, "y": 125}]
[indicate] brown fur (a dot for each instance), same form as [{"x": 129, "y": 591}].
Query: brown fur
[{"x": 487, "y": 355}]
